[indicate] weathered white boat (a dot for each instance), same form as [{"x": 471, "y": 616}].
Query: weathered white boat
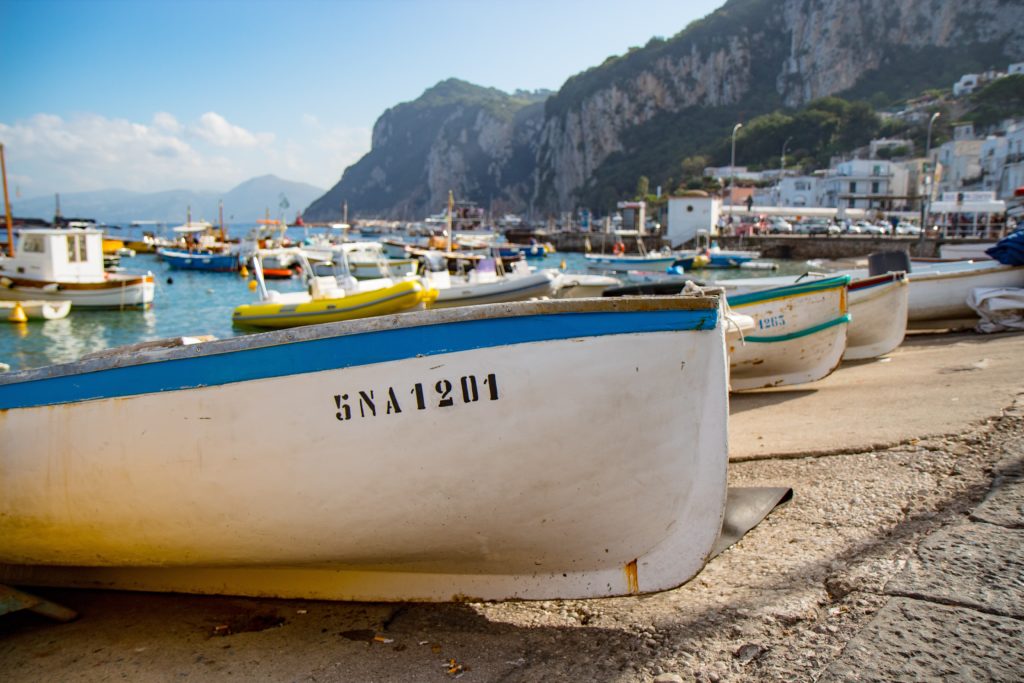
[
  {"x": 380, "y": 459},
  {"x": 878, "y": 311},
  {"x": 616, "y": 263},
  {"x": 581, "y": 285},
  {"x": 800, "y": 335},
  {"x": 877, "y": 306},
  {"x": 67, "y": 265},
  {"x": 940, "y": 290},
  {"x": 36, "y": 310}
]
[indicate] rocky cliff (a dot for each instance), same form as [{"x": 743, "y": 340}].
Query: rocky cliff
[{"x": 644, "y": 111}]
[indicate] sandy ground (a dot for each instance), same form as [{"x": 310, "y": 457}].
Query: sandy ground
[{"x": 887, "y": 460}]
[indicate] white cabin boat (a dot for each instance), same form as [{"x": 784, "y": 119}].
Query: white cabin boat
[
  {"x": 67, "y": 265},
  {"x": 240, "y": 466},
  {"x": 800, "y": 335},
  {"x": 581, "y": 285}
]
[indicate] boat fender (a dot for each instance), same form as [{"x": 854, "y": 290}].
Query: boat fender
[
  {"x": 51, "y": 287},
  {"x": 619, "y": 249},
  {"x": 6, "y": 282}
]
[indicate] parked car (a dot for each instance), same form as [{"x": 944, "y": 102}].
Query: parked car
[
  {"x": 852, "y": 229},
  {"x": 907, "y": 229},
  {"x": 867, "y": 228},
  {"x": 777, "y": 224}
]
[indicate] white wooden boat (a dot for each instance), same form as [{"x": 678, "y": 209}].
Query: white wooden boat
[
  {"x": 878, "y": 311},
  {"x": 800, "y": 335},
  {"x": 580, "y": 285},
  {"x": 877, "y": 305},
  {"x": 940, "y": 290},
  {"x": 37, "y": 310},
  {"x": 380, "y": 459},
  {"x": 626, "y": 262},
  {"x": 67, "y": 265}
]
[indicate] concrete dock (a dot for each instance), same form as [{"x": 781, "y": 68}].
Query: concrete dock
[{"x": 900, "y": 557}]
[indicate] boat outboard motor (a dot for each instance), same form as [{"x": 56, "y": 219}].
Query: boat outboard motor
[{"x": 882, "y": 262}]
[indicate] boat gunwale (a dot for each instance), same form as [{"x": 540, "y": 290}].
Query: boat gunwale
[
  {"x": 786, "y": 291},
  {"x": 383, "y": 323}
]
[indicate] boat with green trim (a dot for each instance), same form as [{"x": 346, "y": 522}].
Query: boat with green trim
[{"x": 799, "y": 335}]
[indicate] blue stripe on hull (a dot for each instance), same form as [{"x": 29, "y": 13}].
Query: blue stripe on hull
[{"x": 341, "y": 352}]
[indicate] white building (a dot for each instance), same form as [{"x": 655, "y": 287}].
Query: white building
[
  {"x": 1001, "y": 162},
  {"x": 724, "y": 173},
  {"x": 966, "y": 85},
  {"x": 689, "y": 213},
  {"x": 959, "y": 165},
  {"x": 905, "y": 147},
  {"x": 867, "y": 184},
  {"x": 799, "y": 191},
  {"x": 1015, "y": 69}
]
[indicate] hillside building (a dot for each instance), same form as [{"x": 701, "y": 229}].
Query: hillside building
[{"x": 866, "y": 184}]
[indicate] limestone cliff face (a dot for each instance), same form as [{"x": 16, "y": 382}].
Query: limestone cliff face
[
  {"x": 477, "y": 142},
  {"x": 756, "y": 53},
  {"x": 514, "y": 152}
]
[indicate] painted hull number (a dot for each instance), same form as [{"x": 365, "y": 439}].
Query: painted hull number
[
  {"x": 443, "y": 393},
  {"x": 771, "y": 321}
]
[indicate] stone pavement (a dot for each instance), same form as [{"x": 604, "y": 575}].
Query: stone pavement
[{"x": 956, "y": 610}]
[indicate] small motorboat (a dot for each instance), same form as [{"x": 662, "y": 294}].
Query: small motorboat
[{"x": 35, "y": 310}]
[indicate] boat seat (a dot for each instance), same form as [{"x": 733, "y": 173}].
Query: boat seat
[{"x": 325, "y": 287}]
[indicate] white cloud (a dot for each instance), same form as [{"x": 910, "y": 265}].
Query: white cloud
[
  {"x": 216, "y": 130},
  {"x": 48, "y": 153}
]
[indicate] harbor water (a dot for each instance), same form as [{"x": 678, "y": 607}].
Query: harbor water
[{"x": 193, "y": 303}]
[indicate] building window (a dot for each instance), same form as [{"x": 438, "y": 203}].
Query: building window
[
  {"x": 853, "y": 188},
  {"x": 874, "y": 187}
]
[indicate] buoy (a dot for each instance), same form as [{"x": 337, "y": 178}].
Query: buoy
[
  {"x": 252, "y": 285},
  {"x": 562, "y": 264},
  {"x": 170, "y": 280},
  {"x": 243, "y": 271},
  {"x": 17, "y": 314}
]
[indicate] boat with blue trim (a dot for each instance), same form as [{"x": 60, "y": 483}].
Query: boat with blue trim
[
  {"x": 318, "y": 462},
  {"x": 199, "y": 259},
  {"x": 800, "y": 334}
]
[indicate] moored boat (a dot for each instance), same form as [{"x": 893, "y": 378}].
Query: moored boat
[
  {"x": 940, "y": 290},
  {"x": 249, "y": 471},
  {"x": 483, "y": 285},
  {"x": 184, "y": 259},
  {"x": 36, "y": 310},
  {"x": 67, "y": 265},
  {"x": 800, "y": 334},
  {"x": 622, "y": 263}
]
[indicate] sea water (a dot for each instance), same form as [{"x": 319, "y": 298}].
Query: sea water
[{"x": 193, "y": 303}]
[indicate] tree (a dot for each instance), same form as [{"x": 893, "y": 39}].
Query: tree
[{"x": 642, "y": 187}]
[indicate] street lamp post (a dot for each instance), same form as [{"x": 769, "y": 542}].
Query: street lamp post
[
  {"x": 782, "y": 166},
  {"x": 732, "y": 166},
  {"x": 930, "y": 177}
]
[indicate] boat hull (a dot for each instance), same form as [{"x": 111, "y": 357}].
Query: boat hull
[
  {"x": 800, "y": 334},
  {"x": 403, "y": 296},
  {"x": 37, "y": 310},
  {"x": 518, "y": 288},
  {"x": 622, "y": 264},
  {"x": 878, "y": 310},
  {"x": 116, "y": 291},
  {"x": 941, "y": 292},
  {"x": 381, "y": 459},
  {"x": 185, "y": 260}
]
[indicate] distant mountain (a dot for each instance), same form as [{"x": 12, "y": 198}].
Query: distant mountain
[
  {"x": 242, "y": 204},
  {"x": 643, "y": 113},
  {"x": 478, "y": 142}
]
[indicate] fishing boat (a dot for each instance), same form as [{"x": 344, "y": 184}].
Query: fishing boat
[
  {"x": 35, "y": 310},
  {"x": 67, "y": 265},
  {"x": 185, "y": 259},
  {"x": 331, "y": 297},
  {"x": 800, "y": 335},
  {"x": 367, "y": 260},
  {"x": 622, "y": 263},
  {"x": 321, "y": 462},
  {"x": 579, "y": 285},
  {"x": 877, "y": 304},
  {"x": 878, "y": 311},
  {"x": 939, "y": 291}
]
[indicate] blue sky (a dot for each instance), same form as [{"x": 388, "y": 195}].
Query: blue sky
[{"x": 152, "y": 95}]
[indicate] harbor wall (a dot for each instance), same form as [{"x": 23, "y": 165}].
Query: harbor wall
[{"x": 799, "y": 247}]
